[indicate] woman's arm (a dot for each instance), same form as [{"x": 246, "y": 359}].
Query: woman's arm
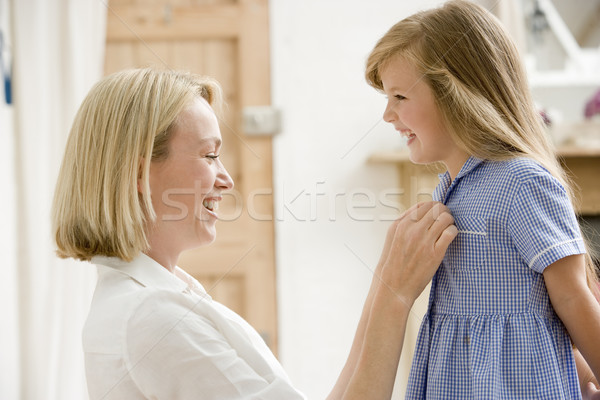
[
  {"x": 576, "y": 306},
  {"x": 357, "y": 343},
  {"x": 414, "y": 248}
]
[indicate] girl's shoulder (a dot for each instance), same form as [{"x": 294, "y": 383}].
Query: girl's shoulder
[{"x": 518, "y": 170}]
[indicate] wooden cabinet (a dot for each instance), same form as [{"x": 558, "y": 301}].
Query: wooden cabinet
[{"x": 583, "y": 166}]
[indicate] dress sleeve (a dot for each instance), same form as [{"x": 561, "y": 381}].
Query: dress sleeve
[
  {"x": 542, "y": 222},
  {"x": 173, "y": 352}
]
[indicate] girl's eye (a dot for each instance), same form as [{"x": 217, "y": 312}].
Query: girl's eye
[
  {"x": 212, "y": 156},
  {"x": 399, "y": 97}
]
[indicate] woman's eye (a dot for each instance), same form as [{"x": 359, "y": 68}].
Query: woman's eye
[{"x": 212, "y": 156}]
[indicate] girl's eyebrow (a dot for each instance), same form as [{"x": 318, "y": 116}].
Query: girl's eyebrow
[{"x": 395, "y": 89}]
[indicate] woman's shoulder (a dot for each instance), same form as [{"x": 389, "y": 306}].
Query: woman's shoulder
[
  {"x": 122, "y": 306},
  {"x": 159, "y": 312}
]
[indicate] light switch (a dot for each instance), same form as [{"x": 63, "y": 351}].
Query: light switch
[{"x": 261, "y": 120}]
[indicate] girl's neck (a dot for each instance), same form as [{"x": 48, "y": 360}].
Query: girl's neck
[{"x": 455, "y": 163}]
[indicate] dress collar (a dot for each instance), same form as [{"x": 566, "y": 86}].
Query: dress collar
[
  {"x": 469, "y": 166},
  {"x": 446, "y": 185}
]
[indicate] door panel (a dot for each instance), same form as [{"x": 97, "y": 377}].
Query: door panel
[{"x": 227, "y": 40}]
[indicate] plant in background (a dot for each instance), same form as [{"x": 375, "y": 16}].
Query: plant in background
[{"x": 592, "y": 107}]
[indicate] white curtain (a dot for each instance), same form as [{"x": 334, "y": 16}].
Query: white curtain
[
  {"x": 57, "y": 48},
  {"x": 9, "y": 359}
]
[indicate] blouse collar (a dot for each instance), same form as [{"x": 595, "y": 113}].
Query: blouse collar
[{"x": 146, "y": 271}]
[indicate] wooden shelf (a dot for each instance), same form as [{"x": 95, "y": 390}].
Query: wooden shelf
[
  {"x": 401, "y": 156},
  {"x": 390, "y": 156},
  {"x": 578, "y": 152},
  {"x": 561, "y": 79},
  {"x": 582, "y": 163}
]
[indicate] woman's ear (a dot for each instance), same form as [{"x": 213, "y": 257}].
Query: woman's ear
[{"x": 140, "y": 183}]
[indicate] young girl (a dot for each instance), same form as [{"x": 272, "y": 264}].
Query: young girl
[{"x": 515, "y": 277}]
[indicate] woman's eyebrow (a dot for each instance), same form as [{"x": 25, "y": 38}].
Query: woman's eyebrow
[{"x": 212, "y": 140}]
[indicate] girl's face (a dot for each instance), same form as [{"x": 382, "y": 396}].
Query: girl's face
[
  {"x": 412, "y": 110},
  {"x": 186, "y": 187}
]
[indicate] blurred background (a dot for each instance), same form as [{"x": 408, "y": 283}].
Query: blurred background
[{"x": 319, "y": 176}]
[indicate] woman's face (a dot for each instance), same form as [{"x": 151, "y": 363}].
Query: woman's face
[
  {"x": 412, "y": 110},
  {"x": 186, "y": 187}
]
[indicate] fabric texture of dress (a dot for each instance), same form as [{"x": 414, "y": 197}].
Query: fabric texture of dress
[{"x": 490, "y": 331}]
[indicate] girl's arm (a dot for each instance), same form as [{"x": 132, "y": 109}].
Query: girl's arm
[
  {"x": 576, "y": 306},
  {"x": 414, "y": 248}
]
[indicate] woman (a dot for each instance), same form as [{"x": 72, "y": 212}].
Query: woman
[{"x": 141, "y": 141}]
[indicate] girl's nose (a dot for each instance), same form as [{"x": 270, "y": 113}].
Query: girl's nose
[{"x": 388, "y": 114}]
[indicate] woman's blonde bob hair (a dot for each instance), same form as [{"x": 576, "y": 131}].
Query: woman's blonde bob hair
[
  {"x": 123, "y": 124},
  {"x": 479, "y": 84}
]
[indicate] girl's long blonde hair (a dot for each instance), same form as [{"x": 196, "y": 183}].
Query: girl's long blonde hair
[
  {"x": 480, "y": 86},
  {"x": 123, "y": 124}
]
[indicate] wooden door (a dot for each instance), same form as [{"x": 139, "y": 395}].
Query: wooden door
[{"x": 227, "y": 40}]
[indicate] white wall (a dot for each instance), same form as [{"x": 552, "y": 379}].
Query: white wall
[{"x": 331, "y": 124}]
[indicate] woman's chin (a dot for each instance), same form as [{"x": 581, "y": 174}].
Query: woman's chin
[{"x": 206, "y": 234}]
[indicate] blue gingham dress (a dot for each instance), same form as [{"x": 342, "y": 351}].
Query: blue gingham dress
[{"x": 490, "y": 331}]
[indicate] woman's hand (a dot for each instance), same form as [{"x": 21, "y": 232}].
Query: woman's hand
[{"x": 414, "y": 248}]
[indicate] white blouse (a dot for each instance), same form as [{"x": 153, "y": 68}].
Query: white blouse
[{"x": 152, "y": 334}]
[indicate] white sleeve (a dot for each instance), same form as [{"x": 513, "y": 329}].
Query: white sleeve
[{"x": 175, "y": 352}]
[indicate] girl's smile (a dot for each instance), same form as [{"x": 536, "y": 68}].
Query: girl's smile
[{"x": 413, "y": 111}]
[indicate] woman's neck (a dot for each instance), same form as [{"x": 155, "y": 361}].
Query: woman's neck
[{"x": 167, "y": 260}]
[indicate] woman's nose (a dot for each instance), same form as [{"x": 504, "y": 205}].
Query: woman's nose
[{"x": 224, "y": 180}]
